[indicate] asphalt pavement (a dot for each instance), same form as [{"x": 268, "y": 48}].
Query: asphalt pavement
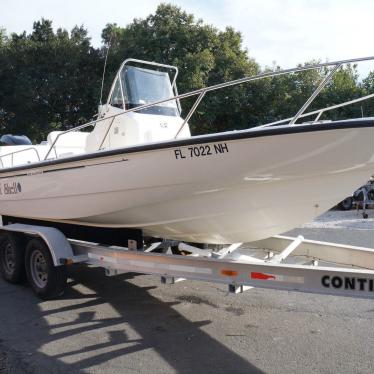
[{"x": 133, "y": 324}]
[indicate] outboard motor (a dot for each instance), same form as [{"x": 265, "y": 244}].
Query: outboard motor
[{"x": 9, "y": 139}]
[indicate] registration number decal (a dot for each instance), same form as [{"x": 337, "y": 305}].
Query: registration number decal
[{"x": 200, "y": 151}]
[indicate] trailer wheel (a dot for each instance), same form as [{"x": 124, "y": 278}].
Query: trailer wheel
[
  {"x": 47, "y": 280},
  {"x": 12, "y": 261}
]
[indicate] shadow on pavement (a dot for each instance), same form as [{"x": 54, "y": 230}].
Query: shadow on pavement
[{"x": 176, "y": 340}]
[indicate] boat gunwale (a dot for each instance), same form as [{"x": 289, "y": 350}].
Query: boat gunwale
[{"x": 200, "y": 139}]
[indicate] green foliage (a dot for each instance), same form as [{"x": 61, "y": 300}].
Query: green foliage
[
  {"x": 368, "y": 89},
  {"x": 48, "y": 80},
  {"x": 203, "y": 54},
  {"x": 51, "y": 79},
  {"x": 344, "y": 86}
]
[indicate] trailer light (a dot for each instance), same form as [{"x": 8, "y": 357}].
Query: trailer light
[
  {"x": 229, "y": 273},
  {"x": 66, "y": 261},
  {"x": 262, "y": 276}
]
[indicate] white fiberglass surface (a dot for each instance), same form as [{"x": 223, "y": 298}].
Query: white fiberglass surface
[{"x": 251, "y": 189}]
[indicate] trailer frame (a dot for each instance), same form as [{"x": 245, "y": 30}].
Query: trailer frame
[{"x": 280, "y": 262}]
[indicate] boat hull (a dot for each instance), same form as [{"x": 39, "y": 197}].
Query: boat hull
[{"x": 224, "y": 189}]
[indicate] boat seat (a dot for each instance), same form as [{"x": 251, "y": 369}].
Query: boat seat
[{"x": 71, "y": 142}]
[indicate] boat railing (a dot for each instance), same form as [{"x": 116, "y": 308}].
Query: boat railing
[
  {"x": 11, "y": 155},
  {"x": 335, "y": 65},
  {"x": 319, "y": 112},
  {"x": 200, "y": 93},
  {"x": 77, "y": 128}
]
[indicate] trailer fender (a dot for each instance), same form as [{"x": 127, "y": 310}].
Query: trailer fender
[{"x": 55, "y": 240}]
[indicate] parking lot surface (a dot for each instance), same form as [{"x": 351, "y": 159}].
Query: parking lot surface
[{"x": 133, "y": 324}]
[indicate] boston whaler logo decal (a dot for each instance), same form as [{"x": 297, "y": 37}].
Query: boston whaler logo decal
[{"x": 10, "y": 188}]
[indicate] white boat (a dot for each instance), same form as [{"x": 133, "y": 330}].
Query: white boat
[{"x": 140, "y": 167}]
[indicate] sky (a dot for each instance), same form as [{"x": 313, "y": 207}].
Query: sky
[{"x": 285, "y": 32}]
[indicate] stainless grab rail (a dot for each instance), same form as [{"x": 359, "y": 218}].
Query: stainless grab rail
[
  {"x": 19, "y": 151},
  {"x": 319, "y": 112},
  {"x": 315, "y": 94},
  {"x": 202, "y": 91},
  {"x": 92, "y": 123}
]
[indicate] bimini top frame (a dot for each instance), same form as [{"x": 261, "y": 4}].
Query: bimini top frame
[{"x": 200, "y": 93}]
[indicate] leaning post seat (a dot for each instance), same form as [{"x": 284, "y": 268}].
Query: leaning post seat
[{"x": 67, "y": 144}]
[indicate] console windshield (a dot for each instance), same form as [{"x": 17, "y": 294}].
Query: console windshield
[{"x": 144, "y": 86}]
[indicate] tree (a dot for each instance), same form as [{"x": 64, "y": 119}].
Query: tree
[
  {"x": 52, "y": 80},
  {"x": 203, "y": 54},
  {"x": 344, "y": 86},
  {"x": 368, "y": 89},
  {"x": 49, "y": 80}
]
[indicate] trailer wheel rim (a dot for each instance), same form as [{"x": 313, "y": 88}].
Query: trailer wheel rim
[
  {"x": 9, "y": 258},
  {"x": 38, "y": 267}
]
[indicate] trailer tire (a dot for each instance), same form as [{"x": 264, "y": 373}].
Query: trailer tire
[
  {"x": 12, "y": 259},
  {"x": 47, "y": 280}
]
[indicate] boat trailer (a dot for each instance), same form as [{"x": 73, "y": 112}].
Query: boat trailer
[{"x": 279, "y": 262}]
